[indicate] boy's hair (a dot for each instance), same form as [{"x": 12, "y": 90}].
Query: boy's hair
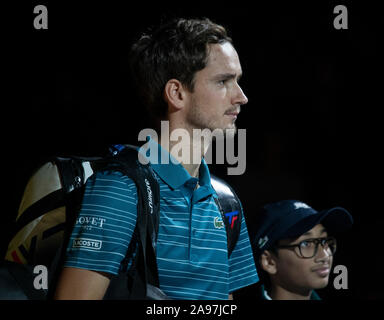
[{"x": 176, "y": 50}]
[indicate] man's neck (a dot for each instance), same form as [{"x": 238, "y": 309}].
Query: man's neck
[{"x": 188, "y": 149}]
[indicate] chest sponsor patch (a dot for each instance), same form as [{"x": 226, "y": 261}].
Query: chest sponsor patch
[
  {"x": 218, "y": 223},
  {"x": 87, "y": 243}
]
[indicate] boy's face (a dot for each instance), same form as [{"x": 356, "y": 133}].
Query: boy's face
[
  {"x": 298, "y": 274},
  {"x": 217, "y": 96}
]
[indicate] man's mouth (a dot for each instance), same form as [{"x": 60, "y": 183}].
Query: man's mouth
[{"x": 233, "y": 113}]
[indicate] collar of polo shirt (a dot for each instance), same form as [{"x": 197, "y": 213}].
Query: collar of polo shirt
[{"x": 174, "y": 174}]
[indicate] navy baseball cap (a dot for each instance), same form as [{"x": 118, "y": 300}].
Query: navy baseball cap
[{"x": 292, "y": 218}]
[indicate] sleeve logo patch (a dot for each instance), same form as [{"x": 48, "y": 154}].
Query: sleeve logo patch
[{"x": 87, "y": 243}]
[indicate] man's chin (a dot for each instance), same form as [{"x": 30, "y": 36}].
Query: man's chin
[
  {"x": 230, "y": 131},
  {"x": 226, "y": 132}
]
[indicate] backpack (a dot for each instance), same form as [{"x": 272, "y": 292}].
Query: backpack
[{"x": 48, "y": 211}]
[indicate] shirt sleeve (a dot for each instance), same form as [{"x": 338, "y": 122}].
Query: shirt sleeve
[
  {"x": 105, "y": 223},
  {"x": 242, "y": 270}
]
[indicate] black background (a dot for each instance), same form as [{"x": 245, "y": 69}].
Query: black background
[{"x": 312, "y": 120}]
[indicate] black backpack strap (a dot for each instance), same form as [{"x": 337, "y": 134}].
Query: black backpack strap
[
  {"x": 230, "y": 208},
  {"x": 143, "y": 280},
  {"x": 147, "y": 185}
]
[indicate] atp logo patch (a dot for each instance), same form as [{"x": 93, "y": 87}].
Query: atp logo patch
[{"x": 232, "y": 217}]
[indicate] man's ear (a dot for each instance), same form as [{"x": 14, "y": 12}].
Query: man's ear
[
  {"x": 268, "y": 262},
  {"x": 175, "y": 95}
]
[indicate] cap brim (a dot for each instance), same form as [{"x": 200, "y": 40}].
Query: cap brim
[{"x": 335, "y": 220}]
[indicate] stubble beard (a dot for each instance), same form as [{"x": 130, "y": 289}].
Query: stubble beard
[{"x": 198, "y": 120}]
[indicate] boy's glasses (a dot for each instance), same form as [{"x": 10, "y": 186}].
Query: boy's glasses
[{"x": 308, "y": 248}]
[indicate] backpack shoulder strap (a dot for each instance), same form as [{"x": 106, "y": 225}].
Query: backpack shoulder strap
[
  {"x": 142, "y": 174},
  {"x": 145, "y": 283},
  {"x": 230, "y": 208}
]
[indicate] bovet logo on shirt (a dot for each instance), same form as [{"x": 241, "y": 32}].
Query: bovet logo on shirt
[
  {"x": 86, "y": 243},
  {"x": 90, "y": 221}
]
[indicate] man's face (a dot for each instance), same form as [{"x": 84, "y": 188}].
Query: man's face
[
  {"x": 216, "y": 99},
  {"x": 294, "y": 272}
]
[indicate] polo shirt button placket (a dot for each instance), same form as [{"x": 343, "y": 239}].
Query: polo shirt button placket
[{"x": 193, "y": 257}]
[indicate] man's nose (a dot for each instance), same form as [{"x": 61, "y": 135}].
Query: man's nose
[{"x": 240, "y": 98}]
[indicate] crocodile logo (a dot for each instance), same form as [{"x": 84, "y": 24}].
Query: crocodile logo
[{"x": 218, "y": 223}]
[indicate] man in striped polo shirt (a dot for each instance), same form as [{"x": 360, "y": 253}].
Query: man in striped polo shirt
[{"x": 187, "y": 71}]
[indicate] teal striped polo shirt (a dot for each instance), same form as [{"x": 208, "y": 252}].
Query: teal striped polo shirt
[{"x": 192, "y": 245}]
